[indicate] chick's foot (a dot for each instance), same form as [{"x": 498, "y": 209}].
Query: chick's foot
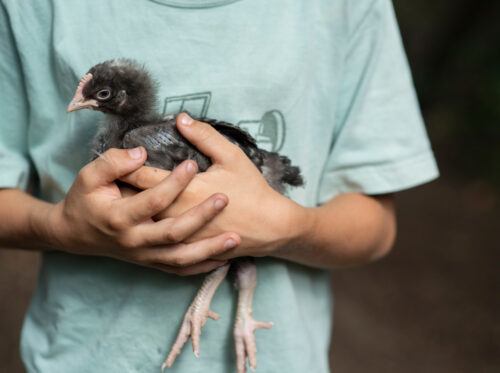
[
  {"x": 196, "y": 315},
  {"x": 245, "y": 325}
]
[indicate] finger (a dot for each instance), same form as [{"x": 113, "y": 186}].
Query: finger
[
  {"x": 174, "y": 230},
  {"x": 110, "y": 165},
  {"x": 207, "y": 139},
  {"x": 183, "y": 255},
  {"x": 145, "y": 177},
  {"x": 195, "y": 269},
  {"x": 150, "y": 202}
]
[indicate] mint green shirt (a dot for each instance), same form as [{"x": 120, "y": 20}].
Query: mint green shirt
[{"x": 325, "y": 82}]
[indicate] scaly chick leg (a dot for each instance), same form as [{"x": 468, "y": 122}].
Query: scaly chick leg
[
  {"x": 196, "y": 315},
  {"x": 244, "y": 326}
]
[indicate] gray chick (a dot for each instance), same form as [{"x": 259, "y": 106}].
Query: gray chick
[{"x": 124, "y": 90}]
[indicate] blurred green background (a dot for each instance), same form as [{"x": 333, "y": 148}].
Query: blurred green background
[{"x": 433, "y": 305}]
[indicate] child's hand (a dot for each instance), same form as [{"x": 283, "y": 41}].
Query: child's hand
[
  {"x": 264, "y": 219},
  {"x": 96, "y": 218},
  {"x": 349, "y": 229}
]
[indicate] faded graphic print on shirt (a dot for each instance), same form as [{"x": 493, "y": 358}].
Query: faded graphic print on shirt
[{"x": 269, "y": 130}]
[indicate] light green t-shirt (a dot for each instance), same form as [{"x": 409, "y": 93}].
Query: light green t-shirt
[{"x": 325, "y": 82}]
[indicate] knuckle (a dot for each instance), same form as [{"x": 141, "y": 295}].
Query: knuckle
[
  {"x": 110, "y": 157},
  {"x": 141, "y": 179},
  {"x": 176, "y": 261},
  {"x": 130, "y": 242},
  {"x": 156, "y": 203},
  {"x": 182, "y": 261},
  {"x": 181, "y": 178},
  {"x": 208, "y": 211},
  {"x": 110, "y": 154},
  {"x": 117, "y": 222},
  {"x": 193, "y": 213},
  {"x": 233, "y": 153},
  {"x": 172, "y": 235},
  {"x": 213, "y": 250},
  {"x": 205, "y": 132},
  {"x": 84, "y": 176}
]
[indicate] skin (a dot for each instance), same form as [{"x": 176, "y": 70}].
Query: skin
[{"x": 172, "y": 220}]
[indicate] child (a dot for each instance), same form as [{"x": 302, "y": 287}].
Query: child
[{"x": 325, "y": 83}]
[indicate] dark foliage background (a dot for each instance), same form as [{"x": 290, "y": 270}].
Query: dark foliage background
[
  {"x": 433, "y": 304},
  {"x": 454, "y": 50}
]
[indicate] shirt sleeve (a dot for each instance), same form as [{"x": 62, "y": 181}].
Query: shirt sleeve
[
  {"x": 14, "y": 159},
  {"x": 380, "y": 144}
]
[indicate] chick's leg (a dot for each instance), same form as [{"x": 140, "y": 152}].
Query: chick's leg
[
  {"x": 244, "y": 339},
  {"x": 196, "y": 315}
]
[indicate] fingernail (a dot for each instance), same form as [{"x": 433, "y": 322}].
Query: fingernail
[
  {"x": 220, "y": 204},
  {"x": 191, "y": 168},
  {"x": 229, "y": 244},
  {"x": 186, "y": 119},
  {"x": 135, "y": 153}
]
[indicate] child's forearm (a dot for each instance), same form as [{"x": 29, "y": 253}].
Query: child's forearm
[
  {"x": 350, "y": 229},
  {"x": 22, "y": 218}
]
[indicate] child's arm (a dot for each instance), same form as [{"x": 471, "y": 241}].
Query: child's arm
[{"x": 348, "y": 230}]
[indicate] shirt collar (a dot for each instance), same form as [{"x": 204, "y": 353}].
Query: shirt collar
[{"x": 195, "y": 3}]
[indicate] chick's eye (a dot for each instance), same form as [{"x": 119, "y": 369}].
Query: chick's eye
[{"x": 103, "y": 94}]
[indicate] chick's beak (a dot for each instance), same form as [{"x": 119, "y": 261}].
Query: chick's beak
[
  {"x": 75, "y": 105},
  {"x": 78, "y": 102}
]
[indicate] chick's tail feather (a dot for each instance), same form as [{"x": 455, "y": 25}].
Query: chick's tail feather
[
  {"x": 291, "y": 174},
  {"x": 279, "y": 171}
]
